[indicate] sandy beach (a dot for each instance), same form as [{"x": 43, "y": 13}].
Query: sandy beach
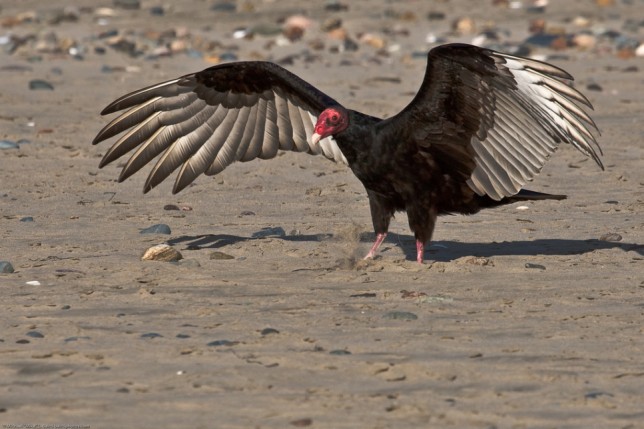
[{"x": 520, "y": 318}]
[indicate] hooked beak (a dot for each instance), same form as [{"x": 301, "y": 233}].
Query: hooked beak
[{"x": 315, "y": 138}]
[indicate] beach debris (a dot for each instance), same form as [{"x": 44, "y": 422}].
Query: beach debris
[
  {"x": 159, "y": 228},
  {"x": 162, "y": 252}
]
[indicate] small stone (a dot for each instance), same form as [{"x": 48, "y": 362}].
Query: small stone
[
  {"x": 269, "y": 331},
  {"x": 23, "y": 341},
  {"x": 171, "y": 207},
  {"x": 331, "y": 24},
  {"x": 534, "y": 266},
  {"x": 160, "y": 228},
  {"x": 8, "y": 144},
  {"x": 151, "y": 335},
  {"x": 340, "y": 352},
  {"x": 183, "y": 336},
  {"x": 219, "y": 343},
  {"x": 157, "y": 11},
  {"x": 224, "y": 6},
  {"x": 35, "y": 334},
  {"x": 611, "y": 236},
  {"x": 247, "y": 213},
  {"x": 300, "y": 423},
  {"x": 269, "y": 232},
  {"x": 594, "y": 87},
  {"x": 162, "y": 252},
  {"x": 37, "y": 84},
  {"x": 221, "y": 256},
  {"x": 400, "y": 315},
  {"x": 464, "y": 26},
  {"x": 27, "y": 219},
  {"x": 128, "y": 4},
  {"x": 6, "y": 267},
  {"x": 335, "y": 6}
]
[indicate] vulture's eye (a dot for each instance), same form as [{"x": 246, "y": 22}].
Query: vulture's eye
[{"x": 334, "y": 118}]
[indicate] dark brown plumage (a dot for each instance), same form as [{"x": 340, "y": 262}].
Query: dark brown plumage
[{"x": 481, "y": 126}]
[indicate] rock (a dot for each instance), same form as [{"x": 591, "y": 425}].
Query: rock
[
  {"x": 221, "y": 256},
  {"x": 269, "y": 331},
  {"x": 162, "y": 252},
  {"x": 331, "y": 24},
  {"x": 6, "y": 267},
  {"x": 219, "y": 343},
  {"x": 128, "y": 4},
  {"x": 269, "y": 232},
  {"x": 8, "y": 144},
  {"x": 27, "y": 219},
  {"x": 399, "y": 315},
  {"x": 611, "y": 236},
  {"x": 35, "y": 334},
  {"x": 534, "y": 266},
  {"x": 38, "y": 84},
  {"x": 160, "y": 228}
]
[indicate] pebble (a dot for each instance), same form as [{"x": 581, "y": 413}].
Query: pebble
[
  {"x": 8, "y": 144},
  {"x": 399, "y": 315},
  {"x": 219, "y": 343},
  {"x": 534, "y": 266},
  {"x": 220, "y": 256},
  {"x": 27, "y": 219},
  {"x": 160, "y": 228},
  {"x": 6, "y": 267},
  {"x": 340, "y": 352},
  {"x": 151, "y": 335},
  {"x": 183, "y": 336},
  {"x": 611, "y": 236},
  {"x": 269, "y": 331},
  {"x": 269, "y": 232},
  {"x": 71, "y": 339},
  {"x": 38, "y": 84},
  {"x": 162, "y": 252},
  {"x": 128, "y": 4},
  {"x": 35, "y": 334}
]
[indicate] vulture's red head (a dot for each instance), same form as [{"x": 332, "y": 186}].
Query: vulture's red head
[{"x": 330, "y": 122}]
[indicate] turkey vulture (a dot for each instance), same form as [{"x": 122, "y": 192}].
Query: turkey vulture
[{"x": 482, "y": 125}]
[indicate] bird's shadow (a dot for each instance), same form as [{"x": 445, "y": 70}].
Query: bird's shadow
[{"x": 443, "y": 251}]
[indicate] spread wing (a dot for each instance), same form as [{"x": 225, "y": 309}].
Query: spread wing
[
  {"x": 205, "y": 121},
  {"x": 494, "y": 118}
]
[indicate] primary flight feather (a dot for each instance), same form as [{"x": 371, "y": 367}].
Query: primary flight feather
[{"x": 482, "y": 125}]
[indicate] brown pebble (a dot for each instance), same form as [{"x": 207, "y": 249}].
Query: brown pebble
[{"x": 300, "y": 423}]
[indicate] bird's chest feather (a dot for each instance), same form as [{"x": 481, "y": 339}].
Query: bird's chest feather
[{"x": 391, "y": 167}]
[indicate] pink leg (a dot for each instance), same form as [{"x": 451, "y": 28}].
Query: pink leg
[
  {"x": 420, "y": 251},
  {"x": 380, "y": 237}
]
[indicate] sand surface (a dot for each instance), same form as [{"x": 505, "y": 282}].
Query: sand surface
[{"x": 496, "y": 343}]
